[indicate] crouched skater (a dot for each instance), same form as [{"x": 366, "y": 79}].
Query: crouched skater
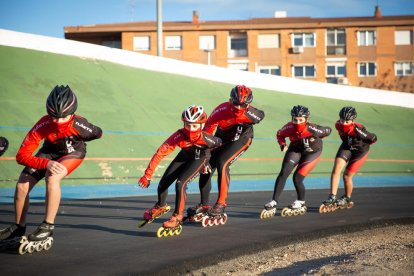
[{"x": 64, "y": 148}]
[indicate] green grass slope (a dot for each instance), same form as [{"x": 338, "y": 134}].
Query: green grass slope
[{"x": 138, "y": 109}]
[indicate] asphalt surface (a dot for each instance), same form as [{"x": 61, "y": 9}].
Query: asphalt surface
[{"x": 101, "y": 237}]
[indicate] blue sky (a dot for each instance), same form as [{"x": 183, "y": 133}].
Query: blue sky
[{"x": 48, "y": 17}]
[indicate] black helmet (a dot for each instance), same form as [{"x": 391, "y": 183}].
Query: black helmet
[
  {"x": 4, "y": 144},
  {"x": 61, "y": 102},
  {"x": 348, "y": 113},
  {"x": 241, "y": 95},
  {"x": 300, "y": 111}
]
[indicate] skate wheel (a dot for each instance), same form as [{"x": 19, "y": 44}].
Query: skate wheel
[
  {"x": 160, "y": 232},
  {"x": 39, "y": 247},
  {"x": 295, "y": 212},
  {"x": 223, "y": 219},
  {"x": 23, "y": 248},
  {"x": 350, "y": 205},
  {"x": 302, "y": 211},
  {"x": 322, "y": 209},
  {"x": 30, "y": 248},
  {"x": 217, "y": 221},
  {"x": 48, "y": 244},
  {"x": 284, "y": 212},
  {"x": 211, "y": 222},
  {"x": 263, "y": 214},
  {"x": 178, "y": 230},
  {"x": 204, "y": 221}
]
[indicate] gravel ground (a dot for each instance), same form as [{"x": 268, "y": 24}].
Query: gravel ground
[{"x": 387, "y": 250}]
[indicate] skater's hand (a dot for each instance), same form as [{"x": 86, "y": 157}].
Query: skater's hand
[
  {"x": 55, "y": 168},
  {"x": 283, "y": 147},
  {"x": 144, "y": 182},
  {"x": 206, "y": 169}
]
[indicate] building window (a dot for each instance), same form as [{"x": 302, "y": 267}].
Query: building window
[
  {"x": 403, "y": 37},
  {"x": 308, "y": 71},
  {"x": 403, "y": 68},
  {"x": 207, "y": 42},
  {"x": 336, "y": 70},
  {"x": 238, "y": 45},
  {"x": 336, "y": 42},
  {"x": 112, "y": 44},
  {"x": 367, "y": 69},
  {"x": 366, "y": 38},
  {"x": 303, "y": 39},
  {"x": 272, "y": 70},
  {"x": 141, "y": 43},
  {"x": 268, "y": 41},
  {"x": 173, "y": 42}
]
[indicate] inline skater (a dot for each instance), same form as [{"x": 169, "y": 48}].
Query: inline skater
[
  {"x": 64, "y": 148},
  {"x": 351, "y": 155},
  {"x": 187, "y": 165},
  {"x": 4, "y": 144},
  {"x": 234, "y": 122},
  {"x": 304, "y": 151}
]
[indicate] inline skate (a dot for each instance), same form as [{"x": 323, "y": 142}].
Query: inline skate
[
  {"x": 216, "y": 216},
  {"x": 297, "y": 208},
  {"x": 40, "y": 239},
  {"x": 329, "y": 205},
  {"x": 155, "y": 212},
  {"x": 197, "y": 213},
  {"x": 345, "y": 202},
  {"x": 269, "y": 210},
  {"x": 171, "y": 227},
  {"x": 10, "y": 237}
]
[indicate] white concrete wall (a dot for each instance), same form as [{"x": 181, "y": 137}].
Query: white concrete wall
[{"x": 251, "y": 79}]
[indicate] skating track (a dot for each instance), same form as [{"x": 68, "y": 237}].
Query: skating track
[{"x": 100, "y": 237}]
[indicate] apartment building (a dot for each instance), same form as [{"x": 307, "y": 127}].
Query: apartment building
[{"x": 375, "y": 51}]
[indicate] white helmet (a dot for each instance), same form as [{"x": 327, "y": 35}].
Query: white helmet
[{"x": 194, "y": 114}]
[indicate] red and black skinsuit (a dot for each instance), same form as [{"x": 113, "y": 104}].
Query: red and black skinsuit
[
  {"x": 186, "y": 166},
  {"x": 64, "y": 143},
  {"x": 235, "y": 128},
  {"x": 356, "y": 141},
  {"x": 304, "y": 152}
]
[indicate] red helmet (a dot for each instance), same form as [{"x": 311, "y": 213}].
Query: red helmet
[
  {"x": 194, "y": 114},
  {"x": 241, "y": 95}
]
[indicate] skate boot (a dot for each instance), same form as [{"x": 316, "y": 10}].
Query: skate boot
[
  {"x": 40, "y": 239},
  {"x": 171, "y": 227},
  {"x": 329, "y": 205},
  {"x": 154, "y": 213},
  {"x": 269, "y": 210},
  {"x": 197, "y": 212},
  {"x": 345, "y": 202},
  {"x": 10, "y": 237},
  {"x": 298, "y": 207},
  {"x": 216, "y": 216}
]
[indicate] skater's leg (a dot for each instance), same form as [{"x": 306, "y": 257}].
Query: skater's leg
[
  {"x": 348, "y": 182},
  {"x": 24, "y": 185},
  {"x": 299, "y": 186},
  {"x": 228, "y": 156},
  {"x": 170, "y": 175},
  {"x": 290, "y": 161},
  {"x": 53, "y": 195},
  {"x": 355, "y": 163},
  {"x": 53, "y": 191},
  {"x": 204, "y": 185},
  {"x": 189, "y": 172},
  {"x": 336, "y": 174}
]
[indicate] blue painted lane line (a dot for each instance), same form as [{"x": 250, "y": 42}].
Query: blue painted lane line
[{"x": 126, "y": 190}]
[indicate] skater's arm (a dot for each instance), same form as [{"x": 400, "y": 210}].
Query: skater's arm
[
  {"x": 319, "y": 131},
  {"x": 165, "y": 149},
  {"x": 281, "y": 137},
  {"x": 365, "y": 135},
  {"x": 88, "y": 131},
  {"x": 25, "y": 154}
]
